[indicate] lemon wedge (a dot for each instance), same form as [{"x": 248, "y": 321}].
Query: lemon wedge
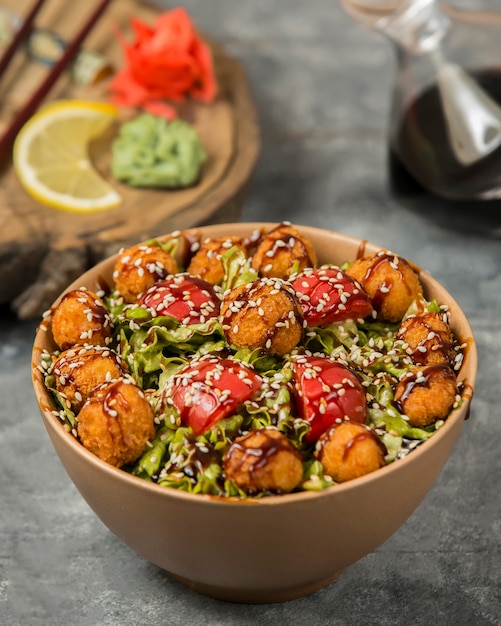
[{"x": 51, "y": 156}]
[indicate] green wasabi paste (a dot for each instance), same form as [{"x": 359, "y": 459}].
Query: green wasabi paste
[{"x": 152, "y": 152}]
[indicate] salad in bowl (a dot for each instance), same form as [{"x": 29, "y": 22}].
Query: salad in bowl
[{"x": 241, "y": 366}]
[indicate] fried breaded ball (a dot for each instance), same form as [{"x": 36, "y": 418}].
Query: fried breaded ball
[
  {"x": 139, "y": 267},
  {"x": 349, "y": 450},
  {"x": 263, "y": 314},
  {"x": 116, "y": 422},
  {"x": 427, "y": 394},
  {"x": 81, "y": 318},
  {"x": 79, "y": 370},
  {"x": 283, "y": 251},
  {"x": 207, "y": 263},
  {"x": 390, "y": 281},
  {"x": 429, "y": 339},
  {"x": 263, "y": 460}
]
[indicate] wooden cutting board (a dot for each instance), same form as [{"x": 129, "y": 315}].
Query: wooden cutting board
[{"x": 41, "y": 249}]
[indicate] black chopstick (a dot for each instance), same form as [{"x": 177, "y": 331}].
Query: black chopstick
[{"x": 8, "y": 138}]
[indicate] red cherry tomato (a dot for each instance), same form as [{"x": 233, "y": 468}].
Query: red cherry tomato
[
  {"x": 329, "y": 295},
  {"x": 208, "y": 390},
  {"x": 326, "y": 392},
  {"x": 188, "y": 299}
]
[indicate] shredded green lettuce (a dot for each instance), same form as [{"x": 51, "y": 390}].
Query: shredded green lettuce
[
  {"x": 66, "y": 415},
  {"x": 384, "y": 414},
  {"x": 314, "y": 478},
  {"x": 156, "y": 345},
  {"x": 237, "y": 269},
  {"x": 155, "y": 348}
]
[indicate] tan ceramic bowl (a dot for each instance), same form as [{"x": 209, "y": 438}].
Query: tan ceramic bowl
[{"x": 279, "y": 547}]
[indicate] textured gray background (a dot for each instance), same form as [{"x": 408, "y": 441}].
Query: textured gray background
[{"x": 322, "y": 85}]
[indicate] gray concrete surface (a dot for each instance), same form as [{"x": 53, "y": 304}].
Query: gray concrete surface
[{"x": 322, "y": 85}]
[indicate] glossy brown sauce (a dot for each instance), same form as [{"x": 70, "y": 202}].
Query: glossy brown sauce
[
  {"x": 191, "y": 248},
  {"x": 361, "y": 249},
  {"x": 258, "y": 291},
  {"x": 467, "y": 395},
  {"x": 282, "y": 242},
  {"x": 69, "y": 364},
  {"x": 349, "y": 445},
  {"x": 385, "y": 288},
  {"x": 291, "y": 244},
  {"x": 466, "y": 343},
  {"x": 252, "y": 459},
  {"x": 272, "y": 331},
  {"x": 423, "y": 348},
  {"x": 93, "y": 307},
  {"x": 198, "y": 461},
  {"x": 103, "y": 285},
  {"x": 362, "y": 436},
  {"x": 424, "y": 378},
  {"x": 114, "y": 403}
]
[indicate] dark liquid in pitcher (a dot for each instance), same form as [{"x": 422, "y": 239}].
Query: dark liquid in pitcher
[{"x": 422, "y": 142}]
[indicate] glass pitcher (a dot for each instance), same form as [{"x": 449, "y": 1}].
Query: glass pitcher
[{"x": 445, "y": 126}]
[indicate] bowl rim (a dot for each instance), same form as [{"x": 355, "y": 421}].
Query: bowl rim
[{"x": 469, "y": 367}]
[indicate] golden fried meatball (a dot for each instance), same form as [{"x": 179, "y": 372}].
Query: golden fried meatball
[
  {"x": 116, "y": 422},
  {"x": 81, "y": 318},
  {"x": 390, "y": 281},
  {"x": 207, "y": 263},
  {"x": 79, "y": 370},
  {"x": 349, "y": 450},
  {"x": 429, "y": 339},
  {"x": 263, "y": 314},
  {"x": 139, "y": 267},
  {"x": 283, "y": 251},
  {"x": 427, "y": 394},
  {"x": 263, "y": 460}
]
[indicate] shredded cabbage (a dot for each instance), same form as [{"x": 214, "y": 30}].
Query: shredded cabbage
[{"x": 156, "y": 348}]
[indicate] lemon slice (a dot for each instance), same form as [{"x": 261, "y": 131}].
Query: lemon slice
[{"x": 51, "y": 156}]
